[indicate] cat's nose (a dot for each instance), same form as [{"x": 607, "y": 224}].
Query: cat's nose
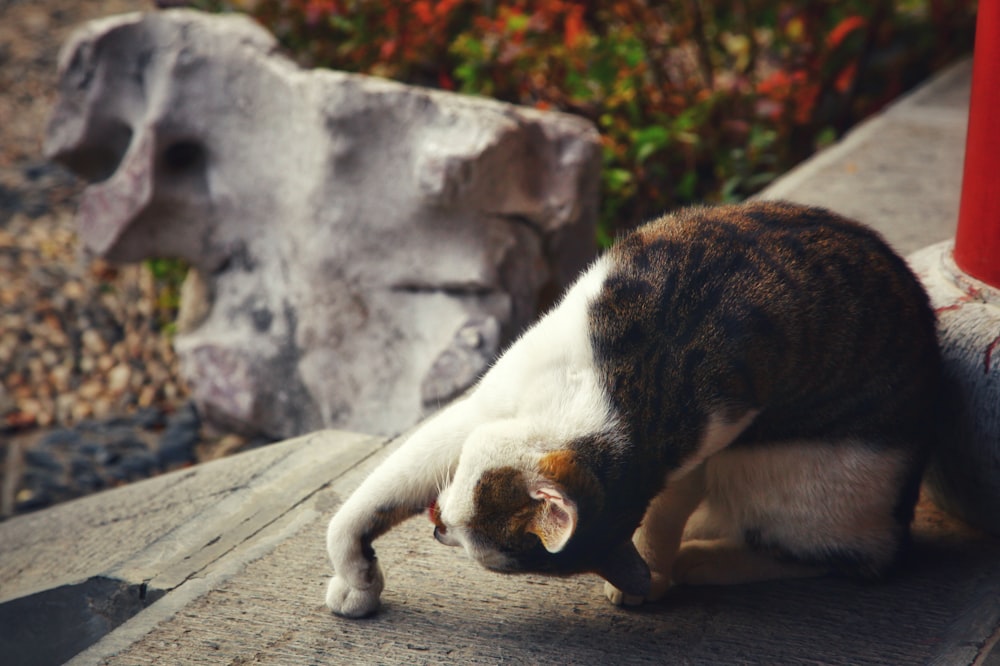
[{"x": 441, "y": 534}]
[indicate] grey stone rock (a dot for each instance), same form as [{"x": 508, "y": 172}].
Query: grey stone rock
[
  {"x": 89, "y": 481},
  {"x": 61, "y": 437},
  {"x": 42, "y": 460},
  {"x": 66, "y": 463},
  {"x": 343, "y": 230},
  {"x": 139, "y": 465},
  {"x": 176, "y": 445},
  {"x": 174, "y": 453},
  {"x": 461, "y": 364},
  {"x": 147, "y": 418},
  {"x": 964, "y": 473},
  {"x": 81, "y": 464}
]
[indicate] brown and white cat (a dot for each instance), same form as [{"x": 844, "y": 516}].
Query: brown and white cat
[{"x": 759, "y": 379}]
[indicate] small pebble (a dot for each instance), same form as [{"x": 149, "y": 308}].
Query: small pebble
[
  {"x": 80, "y": 411},
  {"x": 118, "y": 378},
  {"x": 93, "y": 342},
  {"x": 105, "y": 363},
  {"x": 90, "y": 390},
  {"x": 148, "y": 418},
  {"x": 62, "y": 437},
  {"x": 139, "y": 465},
  {"x": 41, "y": 459}
]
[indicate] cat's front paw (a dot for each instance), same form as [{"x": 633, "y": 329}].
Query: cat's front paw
[
  {"x": 348, "y": 601},
  {"x": 659, "y": 585},
  {"x": 357, "y": 582},
  {"x": 619, "y": 598},
  {"x": 356, "y": 595}
]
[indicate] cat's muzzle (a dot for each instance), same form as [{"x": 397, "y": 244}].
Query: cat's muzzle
[{"x": 441, "y": 534}]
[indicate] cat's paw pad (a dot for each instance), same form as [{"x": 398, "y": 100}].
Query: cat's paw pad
[
  {"x": 619, "y": 598},
  {"x": 355, "y": 602},
  {"x": 348, "y": 601}
]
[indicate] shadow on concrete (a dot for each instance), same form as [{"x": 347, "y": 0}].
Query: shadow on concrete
[{"x": 52, "y": 626}]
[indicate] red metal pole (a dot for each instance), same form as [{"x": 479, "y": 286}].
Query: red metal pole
[{"x": 977, "y": 242}]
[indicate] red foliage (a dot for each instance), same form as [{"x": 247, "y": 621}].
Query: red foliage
[{"x": 695, "y": 99}]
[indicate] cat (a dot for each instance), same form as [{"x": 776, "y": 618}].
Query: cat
[{"x": 729, "y": 394}]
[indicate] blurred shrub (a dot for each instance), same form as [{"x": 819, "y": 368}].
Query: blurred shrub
[
  {"x": 168, "y": 276},
  {"x": 695, "y": 99}
]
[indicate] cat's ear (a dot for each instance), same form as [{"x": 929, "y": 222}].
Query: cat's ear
[
  {"x": 555, "y": 520},
  {"x": 625, "y": 569}
]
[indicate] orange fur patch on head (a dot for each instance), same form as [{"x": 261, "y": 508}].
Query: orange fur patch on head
[{"x": 564, "y": 468}]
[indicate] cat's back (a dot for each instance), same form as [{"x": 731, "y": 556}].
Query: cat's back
[
  {"x": 764, "y": 243},
  {"x": 794, "y": 310}
]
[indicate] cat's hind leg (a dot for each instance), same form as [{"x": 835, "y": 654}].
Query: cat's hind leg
[
  {"x": 799, "y": 509},
  {"x": 725, "y": 562},
  {"x": 659, "y": 535}
]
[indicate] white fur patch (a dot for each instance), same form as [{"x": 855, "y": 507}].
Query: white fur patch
[
  {"x": 541, "y": 394},
  {"x": 719, "y": 433},
  {"x": 805, "y": 496},
  {"x": 548, "y": 376}
]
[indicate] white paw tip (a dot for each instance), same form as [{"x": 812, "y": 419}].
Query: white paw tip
[
  {"x": 619, "y": 598},
  {"x": 351, "y": 602}
]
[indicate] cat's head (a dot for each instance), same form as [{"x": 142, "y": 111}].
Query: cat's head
[{"x": 514, "y": 508}]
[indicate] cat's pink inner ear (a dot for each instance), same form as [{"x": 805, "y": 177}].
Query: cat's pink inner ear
[{"x": 555, "y": 521}]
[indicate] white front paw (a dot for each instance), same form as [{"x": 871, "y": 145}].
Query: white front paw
[
  {"x": 619, "y": 598},
  {"x": 348, "y": 601},
  {"x": 658, "y": 588}
]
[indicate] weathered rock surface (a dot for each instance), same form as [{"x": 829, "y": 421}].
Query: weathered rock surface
[
  {"x": 360, "y": 249},
  {"x": 965, "y": 475}
]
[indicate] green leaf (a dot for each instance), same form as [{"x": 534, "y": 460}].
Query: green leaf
[
  {"x": 649, "y": 140},
  {"x": 686, "y": 187},
  {"x": 617, "y": 179},
  {"x": 518, "y": 22}
]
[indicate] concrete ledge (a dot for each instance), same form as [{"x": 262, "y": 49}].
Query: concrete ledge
[
  {"x": 441, "y": 608},
  {"x": 225, "y": 563},
  {"x": 101, "y": 559}
]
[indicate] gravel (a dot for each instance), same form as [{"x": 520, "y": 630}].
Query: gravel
[{"x": 90, "y": 396}]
